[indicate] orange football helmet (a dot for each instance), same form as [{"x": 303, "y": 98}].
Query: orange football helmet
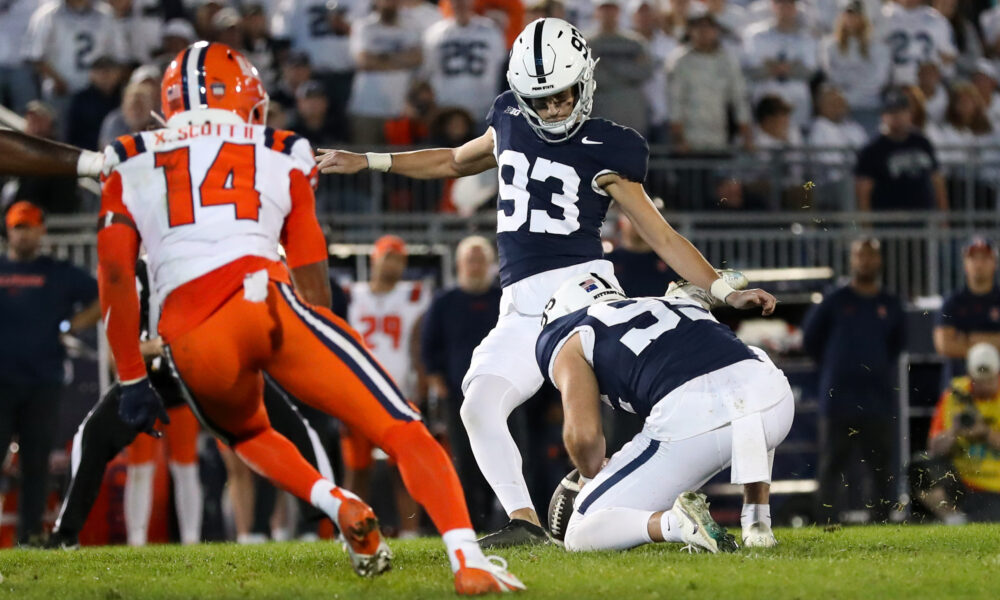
[{"x": 213, "y": 75}]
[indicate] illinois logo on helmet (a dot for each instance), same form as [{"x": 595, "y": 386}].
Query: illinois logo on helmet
[{"x": 208, "y": 76}]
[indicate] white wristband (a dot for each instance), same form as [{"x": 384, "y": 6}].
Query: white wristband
[
  {"x": 379, "y": 161},
  {"x": 89, "y": 164},
  {"x": 584, "y": 480},
  {"x": 720, "y": 289}
]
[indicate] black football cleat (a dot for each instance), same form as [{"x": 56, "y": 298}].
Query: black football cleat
[
  {"x": 59, "y": 541},
  {"x": 516, "y": 533}
]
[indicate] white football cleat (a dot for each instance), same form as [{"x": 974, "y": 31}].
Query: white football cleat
[
  {"x": 759, "y": 535},
  {"x": 685, "y": 289},
  {"x": 493, "y": 577},
  {"x": 698, "y": 528}
]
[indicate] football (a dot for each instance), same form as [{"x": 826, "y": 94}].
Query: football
[{"x": 561, "y": 504}]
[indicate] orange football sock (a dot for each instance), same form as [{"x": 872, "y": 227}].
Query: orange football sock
[
  {"x": 273, "y": 456},
  {"x": 428, "y": 475}
]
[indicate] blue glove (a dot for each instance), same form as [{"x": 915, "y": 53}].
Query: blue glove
[{"x": 141, "y": 406}]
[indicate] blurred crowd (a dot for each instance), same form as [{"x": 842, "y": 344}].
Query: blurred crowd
[{"x": 702, "y": 80}]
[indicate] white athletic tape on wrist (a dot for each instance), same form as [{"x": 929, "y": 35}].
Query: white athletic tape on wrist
[
  {"x": 379, "y": 161},
  {"x": 720, "y": 289},
  {"x": 89, "y": 164}
]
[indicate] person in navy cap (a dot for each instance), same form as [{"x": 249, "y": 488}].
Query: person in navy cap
[
  {"x": 898, "y": 170},
  {"x": 971, "y": 314}
]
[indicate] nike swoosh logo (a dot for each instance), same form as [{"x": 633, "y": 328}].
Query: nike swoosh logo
[{"x": 586, "y": 141}]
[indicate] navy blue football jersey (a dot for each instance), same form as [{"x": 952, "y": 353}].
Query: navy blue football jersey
[
  {"x": 549, "y": 210},
  {"x": 644, "y": 348}
]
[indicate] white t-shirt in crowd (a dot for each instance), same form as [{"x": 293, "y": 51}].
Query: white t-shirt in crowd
[
  {"x": 860, "y": 78},
  {"x": 14, "y": 18},
  {"x": 847, "y": 134},
  {"x": 70, "y": 40},
  {"x": 304, "y": 23},
  {"x": 381, "y": 94},
  {"x": 763, "y": 43}
]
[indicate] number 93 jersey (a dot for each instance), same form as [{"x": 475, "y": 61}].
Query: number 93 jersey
[
  {"x": 644, "y": 348},
  {"x": 550, "y": 209},
  {"x": 203, "y": 196}
]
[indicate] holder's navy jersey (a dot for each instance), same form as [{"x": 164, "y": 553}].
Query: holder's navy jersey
[
  {"x": 549, "y": 210},
  {"x": 644, "y": 348}
]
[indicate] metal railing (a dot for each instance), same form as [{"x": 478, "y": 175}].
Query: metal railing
[
  {"x": 922, "y": 250},
  {"x": 798, "y": 179}
]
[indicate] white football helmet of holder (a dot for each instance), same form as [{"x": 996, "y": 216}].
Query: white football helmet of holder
[
  {"x": 548, "y": 57},
  {"x": 579, "y": 291}
]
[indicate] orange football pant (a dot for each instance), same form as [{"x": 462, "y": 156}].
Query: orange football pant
[
  {"x": 181, "y": 436},
  {"x": 320, "y": 360}
]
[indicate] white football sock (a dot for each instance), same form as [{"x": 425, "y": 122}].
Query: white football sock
[
  {"x": 755, "y": 513},
  {"x": 464, "y": 540},
  {"x": 488, "y": 402},
  {"x": 138, "y": 502},
  {"x": 189, "y": 501},
  {"x": 670, "y": 528},
  {"x": 322, "y": 498},
  {"x": 609, "y": 529}
]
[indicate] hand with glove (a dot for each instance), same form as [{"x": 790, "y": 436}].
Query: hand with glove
[{"x": 141, "y": 406}]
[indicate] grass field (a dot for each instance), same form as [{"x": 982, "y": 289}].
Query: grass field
[{"x": 856, "y": 562}]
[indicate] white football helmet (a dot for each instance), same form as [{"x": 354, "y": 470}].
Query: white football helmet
[
  {"x": 579, "y": 291},
  {"x": 548, "y": 57}
]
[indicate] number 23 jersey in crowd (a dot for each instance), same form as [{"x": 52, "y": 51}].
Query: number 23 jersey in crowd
[{"x": 550, "y": 209}]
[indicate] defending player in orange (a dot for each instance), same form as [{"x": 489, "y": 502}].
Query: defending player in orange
[{"x": 210, "y": 197}]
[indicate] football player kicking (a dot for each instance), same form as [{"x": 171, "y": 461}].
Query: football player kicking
[
  {"x": 210, "y": 197},
  {"x": 709, "y": 401},
  {"x": 558, "y": 172}
]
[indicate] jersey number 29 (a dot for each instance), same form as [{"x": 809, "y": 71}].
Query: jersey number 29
[{"x": 230, "y": 180}]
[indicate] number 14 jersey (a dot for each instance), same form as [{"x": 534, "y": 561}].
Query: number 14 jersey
[
  {"x": 203, "y": 196},
  {"x": 550, "y": 209}
]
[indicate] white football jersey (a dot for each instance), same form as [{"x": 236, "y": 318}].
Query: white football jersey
[
  {"x": 914, "y": 37},
  {"x": 304, "y": 23},
  {"x": 463, "y": 63},
  {"x": 69, "y": 40},
  {"x": 386, "y": 323},
  {"x": 203, "y": 196}
]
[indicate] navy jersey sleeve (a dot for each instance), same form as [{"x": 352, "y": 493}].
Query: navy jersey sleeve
[
  {"x": 552, "y": 338},
  {"x": 629, "y": 157}
]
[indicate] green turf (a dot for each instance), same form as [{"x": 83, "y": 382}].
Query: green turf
[{"x": 870, "y": 562}]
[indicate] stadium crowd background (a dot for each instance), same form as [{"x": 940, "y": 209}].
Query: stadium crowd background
[{"x": 763, "y": 105}]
